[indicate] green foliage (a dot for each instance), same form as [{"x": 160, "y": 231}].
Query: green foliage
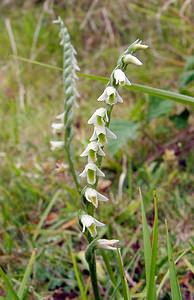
[
  {"x": 158, "y": 108},
  {"x": 188, "y": 74},
  {"x": 125, "y": 131}
]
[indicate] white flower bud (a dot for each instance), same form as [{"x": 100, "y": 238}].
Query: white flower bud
[
  {"x": 98, "y": 117},
  {"x": 128, "y": 58},
  {"x": 92, "y": 150},
  {"x": 120, "y": 77},
  {"x": 102, "y": 133},
  {"x": 139, "y": 46},
  {"x": 90, "y": 223},
  {"x": 56, "y": 145},
  {"x": 60, "y": 117},
  {"x": 110, "y": 96},
  {"x": 107, "y": 244},
  {"x": 57, "y": 127},
  {"x": 90, "y": 172},
  {"x": 93, "y": 196}
]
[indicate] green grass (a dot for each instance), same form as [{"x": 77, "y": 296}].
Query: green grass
[{"x": 31, "y": 216}]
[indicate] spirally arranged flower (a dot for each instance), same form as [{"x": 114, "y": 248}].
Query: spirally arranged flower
[{"x": 94, "y": 151}]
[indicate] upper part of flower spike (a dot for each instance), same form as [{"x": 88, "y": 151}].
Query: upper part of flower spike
[
  {"x": 107, "y": 244},
  {"x": 57, "y": 127},
  {"x": 139, "y": 46},
  {"x": 93, "y": 196},
  {"x": 99, "y": 117},
  {"x": 120, "y": 77},
  {"x": 102, "y": 133},
  {"x": 110, "y": 96},
  {"x": 90, "y": 223},
  {"x": 92, "y": 150},
  {"x": 91, "y": 171},
  {"x": 129, "y": 58},
  {"x": 56, "y": 145}
]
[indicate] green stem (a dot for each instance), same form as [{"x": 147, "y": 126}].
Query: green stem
[{"x": 91, "y": 259}]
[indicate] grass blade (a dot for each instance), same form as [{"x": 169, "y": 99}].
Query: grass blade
[
  {"x": 165, "y": 277},
  {"x": 45, "y": 214},
  {"x": 26, "y": 276},
  {"x": 189, "y": 265},
  {"x": 163, "y": 94},
  {"x": 78, "y": 278},
  {"x": 151, "y": 285},
  {"x": 146, "y": 239},
  {"x": 175, "y": 288},
  {"x": 125, "y": 288},
  {"x": 8, "y": 284}
]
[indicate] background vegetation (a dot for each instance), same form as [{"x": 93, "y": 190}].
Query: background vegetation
[{"x": 38, "y": 205}]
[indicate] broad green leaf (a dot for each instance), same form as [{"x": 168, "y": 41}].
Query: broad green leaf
[
  {"x": 9, "y": 287},
  {"x": 146, "y": 240},
  {"x": 158, "y": 108},
  {"x": 125, "y": 131},
  {"x": 28, "y": 271},
  {"x": 175, "y": 289},
  {"x": 151, "y": 286}
]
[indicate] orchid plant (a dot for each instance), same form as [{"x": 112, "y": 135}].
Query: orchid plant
[{"x": 94, "y": 151}]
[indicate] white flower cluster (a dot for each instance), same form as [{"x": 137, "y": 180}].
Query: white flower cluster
[
  {"x": 101, "y": 134},
  {"x": 64, "y": 120}
]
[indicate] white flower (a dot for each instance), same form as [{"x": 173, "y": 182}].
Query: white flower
[
  {"x": 57, "y": 127},
  {"x": 110, "y": 96},
  {"x": 91, "y": 171},
  {"x": 60, "y": 117},
  {"x": 99, "y": 116},
  {"x": 92, "y": 150},
  {"x": 93, "y": 196},
  {"x": 120, "y": 77},
  {"x": 129, "y": 58},
  {"x": 56, "y": 145},
  {"x": 139, "y": 46},
  {"x": 90, "y": 223},
  {"x": 107, "y": 244},
  {"x": 102, "y": 134}
]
